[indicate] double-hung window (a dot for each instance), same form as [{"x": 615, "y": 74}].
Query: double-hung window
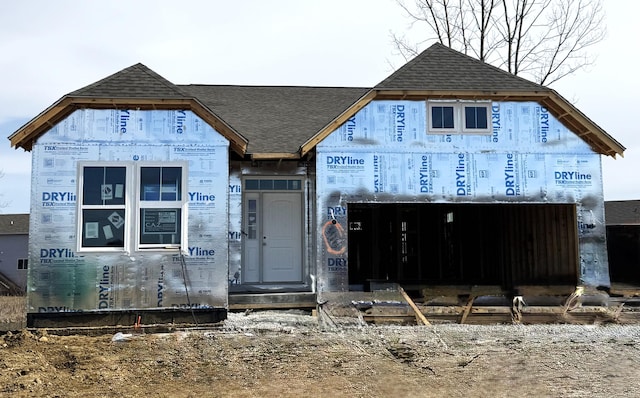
[
  {"x": 127, "y": 206},
  {"x": 161, "y": 202},
  {"x": 453, "y": 117},
  {"x": 103, "y": 206}
]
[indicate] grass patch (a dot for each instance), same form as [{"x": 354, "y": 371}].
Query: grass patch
[{"x": 13, "y": 309}]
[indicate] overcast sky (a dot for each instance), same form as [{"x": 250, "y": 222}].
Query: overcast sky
[{"x": 50, "y": 48}]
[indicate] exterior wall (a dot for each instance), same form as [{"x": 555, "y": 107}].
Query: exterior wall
[
  {"x": 63, "y": 279},
  {"x": 239, "y": 170},
  {"x": 12, "y": 248},
  {"x": 384, "y": 154}
]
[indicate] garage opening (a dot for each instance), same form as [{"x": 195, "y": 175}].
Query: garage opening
[
  {"x": 462, "y": 244},
  {"x": 623, "y": 247}
]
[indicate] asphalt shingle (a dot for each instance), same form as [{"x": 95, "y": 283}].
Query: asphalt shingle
[
  {"x": 280, "y": 119},
  {"x": 622, "y": 212},
  {"x": 441, "y": 68},
  {"x": 275, "y": 119},
  {"x": 136, "y": 81},
  {"x": 14, "y": 224}
]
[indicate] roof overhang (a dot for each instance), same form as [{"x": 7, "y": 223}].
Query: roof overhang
[
  {"x": 599, "y": 140},
  {"x": 311, "y": 143},
  {"x": 29, "y": 133},
  {"x": 565, "y": 112}
]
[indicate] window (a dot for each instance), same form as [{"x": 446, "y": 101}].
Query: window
[
  {"x": 161, "y": 202},
  {"x": 103, "y": 210},
  {"x": 442, "y": 117},
  {"x": 131, "y": 205},
  {"x": 272, "y": 185},
  {"x": 447, "y": 117},
  {"x": 475, "y": 118},
  {"x": 23, "y": 263},
  {"x": 252, "y": 219}
]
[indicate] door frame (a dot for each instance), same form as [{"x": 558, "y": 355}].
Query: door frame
[{"x": 258, "y": 194}]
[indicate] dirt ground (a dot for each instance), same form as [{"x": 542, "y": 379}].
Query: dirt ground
[{"x": 287, "y": 354}]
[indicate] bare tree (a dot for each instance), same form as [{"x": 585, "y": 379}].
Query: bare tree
[{"x": 543, "y": 40}]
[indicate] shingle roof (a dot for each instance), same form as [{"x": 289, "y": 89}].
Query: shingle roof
[
  {"x": 14, "y": 224},
  {"x": 136, "y": 81},
  {"x": 275, "y": 119},
  {"x": 622, "y": 212},
  {"x": 287, "y": 122},
  {"x": 441, "y": 68}
]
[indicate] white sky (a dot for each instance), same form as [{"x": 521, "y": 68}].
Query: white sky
[{"x": 50, "y": 48}]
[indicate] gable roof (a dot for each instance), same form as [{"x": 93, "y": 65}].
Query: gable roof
[
  {"x": 284, "y": 122},
  {"x": 440, "y": 72},
  {"x": 134, "y": 87},
  {"x": 440, "y": 68},
  {"x": 136, "y": 81},
  {"x": 14, "y": 224},
  {"x": 622, "y": 212}
]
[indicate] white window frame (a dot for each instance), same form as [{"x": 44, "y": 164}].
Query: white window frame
[
  {"x": 181, "y": 205},
  {"x": 133, "y": 206},
  {"x": 459, "y": 117},
  {"x": 440, "y": 104},
  {"x": 126, "y": 207},
  {"x": 463, "y": 117}
]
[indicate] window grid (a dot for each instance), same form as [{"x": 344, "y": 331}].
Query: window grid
[
  {"x": 475, "y": 117},
  {"x": 458, "y": 117},
  {"x": 126, "y": 206}
]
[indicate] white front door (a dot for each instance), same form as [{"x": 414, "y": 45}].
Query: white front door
[
  {"x": 273, "y": 240},
  {"x": 281, "y": 238}
]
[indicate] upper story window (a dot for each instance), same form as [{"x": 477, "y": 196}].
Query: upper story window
[
  {"x": 23, "y": 263},
  {"x": 447, "y": 117},
  {"x": 123, "y": 206},
  {"x": 475, "y": 118},
  {"x": 442, "y": 117}
]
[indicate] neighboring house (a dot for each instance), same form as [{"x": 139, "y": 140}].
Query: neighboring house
[
  {"x": 623, "y": 241},
  {"x": 14, "y": 258},
  {"x": 151, "y": 196}
]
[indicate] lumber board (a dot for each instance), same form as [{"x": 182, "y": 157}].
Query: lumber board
[
  {"x": 264, "y": 306},
  {"x": 467, "y": 309},
  {"x": 413, "y": 305}
]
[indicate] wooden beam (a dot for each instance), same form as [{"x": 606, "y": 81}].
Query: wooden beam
[
  {"x": 605, "y": 143},
  {"x": 132, "y": 103},
  {"x": 461, "y": 94},
  {"x": 265, "y": 306},
  {"x": 275, "y": 156},
  {"x": 467, "y": 309},
  {"x": 25, "y": 136},
  {"x": 336, "y": 122},
  {"x": 413, "y": 305},
  {"x": 51, "y": 116}
]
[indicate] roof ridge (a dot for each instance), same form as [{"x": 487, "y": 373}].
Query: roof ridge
[
  {"x": 157, "y": 76},
  {"x": 407, "y": 65},
  {"x": 136, "y": 68},
  {"x": 425, "y": 60}
]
